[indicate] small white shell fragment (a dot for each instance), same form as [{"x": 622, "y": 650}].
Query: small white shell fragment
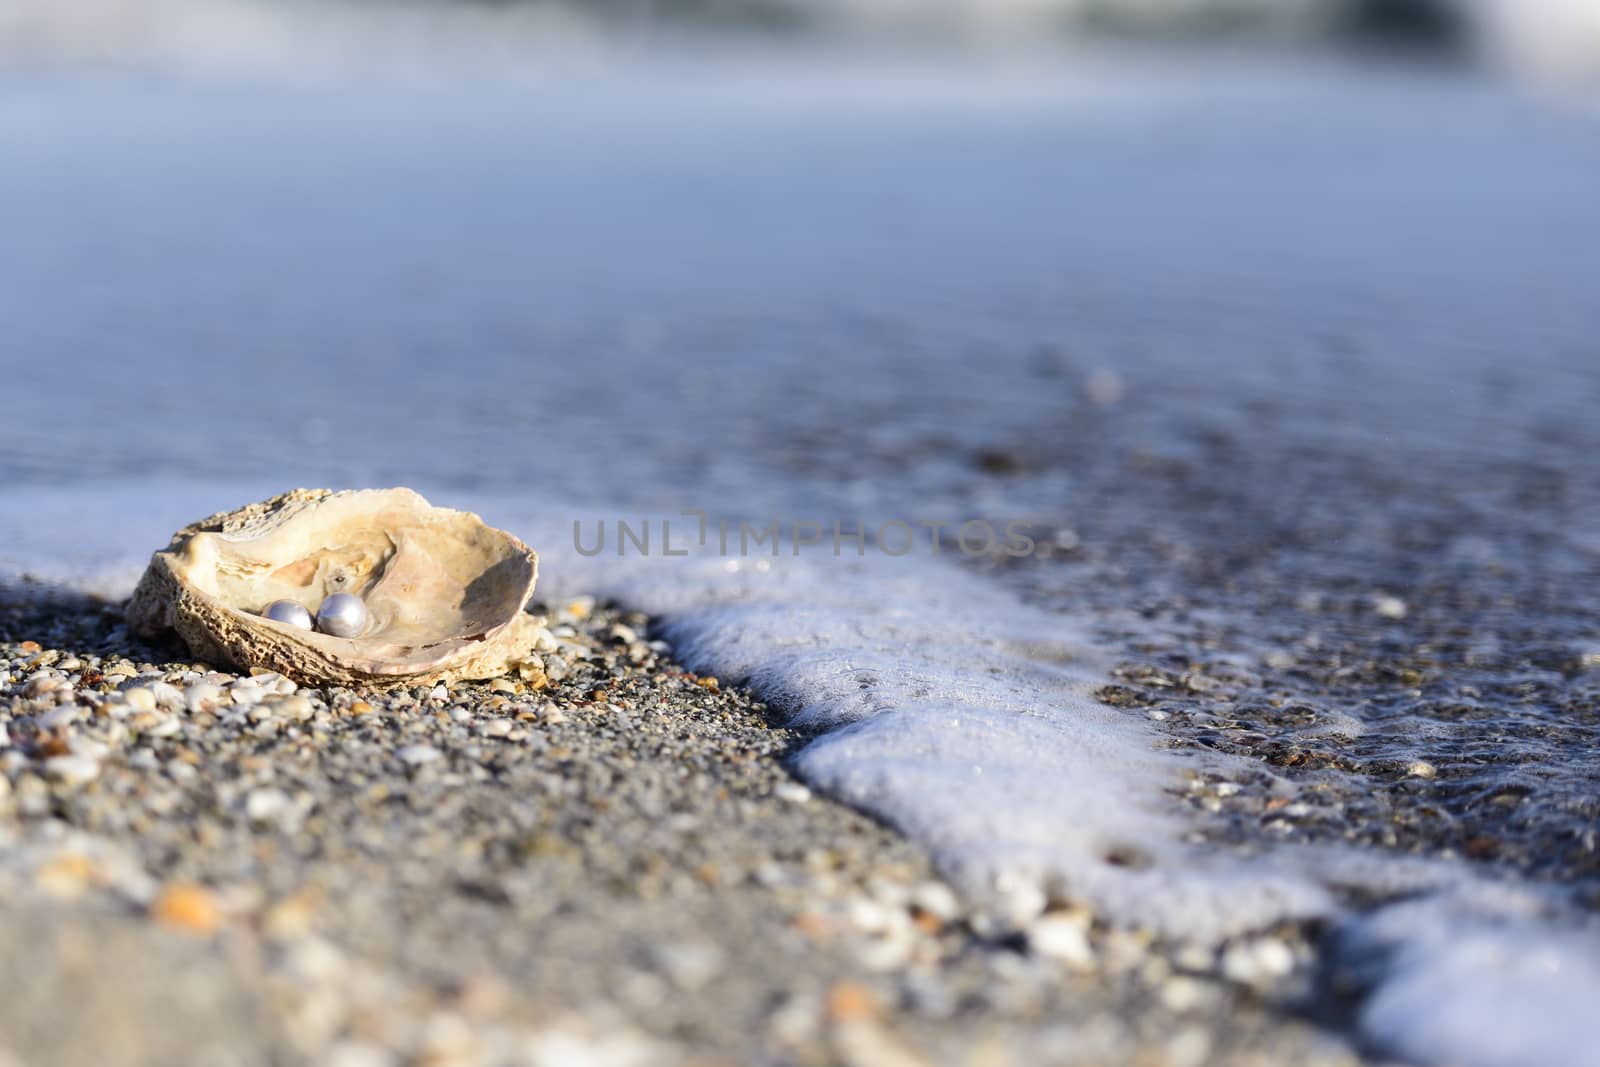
[
  {"x": 202, "y": 696},
  {"x": 1062, "y": 936},
  {"x": 245, "y": 693},
  {"x": 140, "y": 698}
]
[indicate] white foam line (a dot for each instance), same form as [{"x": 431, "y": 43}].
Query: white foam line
[{"x": 965, "y": 719}]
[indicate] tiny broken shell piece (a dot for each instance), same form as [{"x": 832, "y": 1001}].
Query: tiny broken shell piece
[{"x": 444, "y": 592}]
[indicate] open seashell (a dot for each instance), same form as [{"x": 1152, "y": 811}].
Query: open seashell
[{"x": 444, "y": 592}]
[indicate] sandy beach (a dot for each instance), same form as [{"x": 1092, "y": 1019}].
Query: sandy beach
[{"x": 605, "y": 864}]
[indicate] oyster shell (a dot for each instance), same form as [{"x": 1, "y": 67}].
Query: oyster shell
[{"x": 445, "y": 592}]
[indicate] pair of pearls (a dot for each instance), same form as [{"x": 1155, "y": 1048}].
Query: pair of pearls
[{"x": 341, "y": 615}]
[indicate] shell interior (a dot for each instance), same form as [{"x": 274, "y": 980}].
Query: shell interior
[{"x": 433, "y": 580}]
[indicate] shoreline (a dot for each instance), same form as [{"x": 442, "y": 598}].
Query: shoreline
[{"x": 615, "y": 866}]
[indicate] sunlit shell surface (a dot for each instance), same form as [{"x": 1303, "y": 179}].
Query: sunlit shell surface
[{"x": 444, "y": 591}]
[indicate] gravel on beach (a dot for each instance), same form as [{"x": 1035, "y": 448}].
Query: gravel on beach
[{"x": 603, "y": 862}]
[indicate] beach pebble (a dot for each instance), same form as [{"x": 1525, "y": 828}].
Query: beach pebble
[
  {"x": 1194, "y": 956},
  {"x": 689, "y": 965},
  {"x": 1183, "y": 994},
  {"x": 164, "y": 726},
  {"x": 190, "y": 908},
  {"x": 868, "y": 916},
  {"x": 41, "y": 683},
  {"x": 202, "y": 696},
  {"x": 71, "y": 770},
  {"x": 1022, "y": 899},
  {"x": 273, "y": 683},
  {"x": 139, "y": 698},
  {"x": 57, "y": 717},
  {"x": 266, "y": 805},
  {"x": 167, "y": 695},
  {"x": 296, "y": 706},
  {"x": 359, "y": 1054},
  {"x": 89, "y": 748},
  {"x": 793, "y": 792},
  {"x": 1257, "y": 961},
  {"x": 1064, "y": 936},
  {"x": 890, "y": 950},
  {"x": 1390, "y": 607},
  {"x": 416, "y": 755},
  {"x": 245, "y": 692},
  {"x": 936, "y": 899},
  {"x": 1189, "y": 1047},
  {"x": 497, "y": 727}
]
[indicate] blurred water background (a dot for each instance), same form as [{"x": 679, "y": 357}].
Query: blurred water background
[{"x": 1542, "y": 38}]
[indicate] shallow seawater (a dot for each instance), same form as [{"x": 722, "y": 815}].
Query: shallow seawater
[
  {"x": 1288, "y": 374},
  {"x": 1410, "y": 639}
]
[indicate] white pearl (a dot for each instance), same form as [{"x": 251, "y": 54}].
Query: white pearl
[
  {"x": 342, "y": 615},
  {"x": 289, "y": 613}
]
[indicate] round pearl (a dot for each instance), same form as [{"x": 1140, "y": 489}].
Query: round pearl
[
  {"x": 342, "y": 615},
  {"x": 289, "y": 613}
]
